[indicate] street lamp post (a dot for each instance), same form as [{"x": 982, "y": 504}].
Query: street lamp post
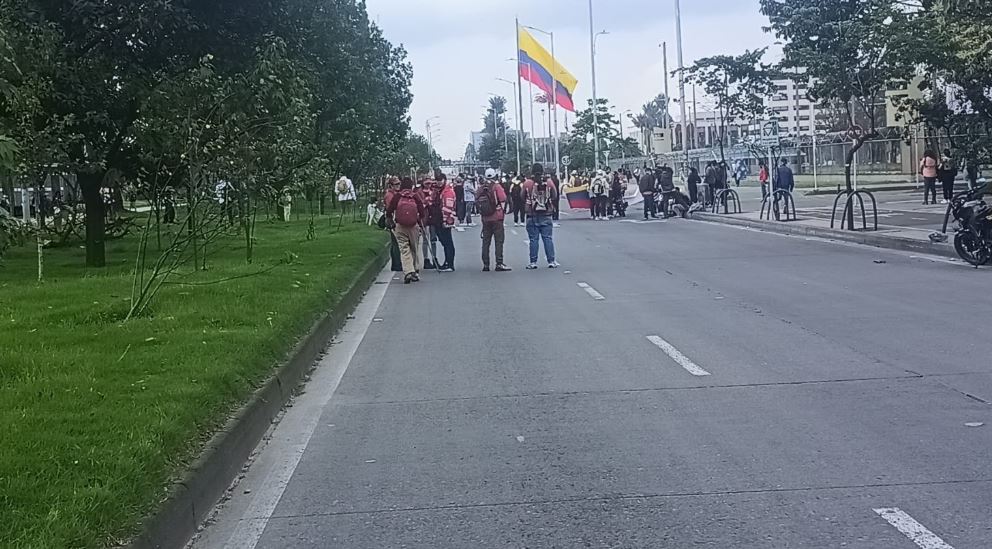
[
  {"x": 685, "y": 120},
  {"x": 430, "y": 143},
  {"x": 595, "y": 98},
  {"x": 517, "y": 110}
]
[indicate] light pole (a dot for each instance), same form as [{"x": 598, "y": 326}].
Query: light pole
[
  {"x": 516, "y": 103},
  {"x": 593, "y": 35},
  {"x": 544, "y": 151},
  {"x": 685, "y": 120},
  {"x": 430, "y": 143},
  {"x": 555, "y": 73},
  {"x": 623, "y": 148}
]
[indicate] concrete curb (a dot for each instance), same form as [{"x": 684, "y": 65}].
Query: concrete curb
[
  {"x": 867, "y": 239},
  {"x": 875, "y": 189},
  {"x": 191, "y": 499}
]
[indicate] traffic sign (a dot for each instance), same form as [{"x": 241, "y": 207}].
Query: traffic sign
[
  {"x": 769, "y": 134},
  {"x": 566, "y": 160}
]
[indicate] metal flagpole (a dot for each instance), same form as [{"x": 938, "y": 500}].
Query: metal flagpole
[
  {"x": 520, "y": 99},
  {"x": 685, "y": 119},
  {"x": 533, "y": 136},
  {"x": 554, "y": 108},
  {"x": 595, "y": 100}
]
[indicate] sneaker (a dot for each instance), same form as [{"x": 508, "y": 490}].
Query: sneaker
[
  {"x": 485, "y": 269},
  {"x": 428, "y": 266},
  {"x": 556, "y": 225},
  {"x": 408, "y": 279},
  {"x": 553, "y": 265},
  {"x": 532, "y": 267},
  {"x": 447, "y": 269},
  {"x": 416, "y": 277},
  {"x": 502, "y": 268}
]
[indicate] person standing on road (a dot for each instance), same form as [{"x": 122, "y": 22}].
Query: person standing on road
[
  {"x": 693, "y": 182},
  {"x": 710, "y": 179},
  {"x": 948, "y": 173},
  {"x": 428, "y": 192},
  {"x": 647, "y": 185},
  {"x": 972, "y": 172},
  {"x": 396, "y": 260},
  {"x": 407, "y": 212},
  {"x": 517, "y": 203},
  {"x": 443, "y": 221},
  {"x": 460, "y": 199},
  {"x": 928, "y": 169},
  {"x": 666, "y": 184},
  {"x": 469, "y": 191},
  {"x": 490, "y": 199},
  {"x": 555, "y": 217},
  {"x": 600, "y": 193},
  {"x": 540, "y": 196}
]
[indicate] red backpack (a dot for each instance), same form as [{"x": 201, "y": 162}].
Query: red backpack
[{"x": 407, "y": 209}]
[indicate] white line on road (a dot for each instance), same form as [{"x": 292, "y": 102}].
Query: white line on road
[
  {"x": 913, "y": 530},
  {"x": 678, "y": 357},
  {"x": 591, "y": 291},
  {"x": 275, "y": 464}
]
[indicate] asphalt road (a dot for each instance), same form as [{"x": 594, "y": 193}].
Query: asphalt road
[{"x": 730, "y": 389}]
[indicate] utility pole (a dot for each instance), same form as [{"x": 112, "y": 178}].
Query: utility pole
[
  {"x": 595, "y": 99},
  {"x": 518, "y": 109},
  {"x": 685, "y": 119}
]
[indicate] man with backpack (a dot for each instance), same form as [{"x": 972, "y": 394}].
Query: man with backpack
[
  {"x": 490, "y": 203},
  {"x": 647, "y": 184},
  {"x": 406, "y": 210},
  {"x": 540, "y": 197},
  {"x": 600, "y": 193}
]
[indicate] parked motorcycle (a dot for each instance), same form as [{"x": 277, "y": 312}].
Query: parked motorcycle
[{"x": 973, "y": 235}]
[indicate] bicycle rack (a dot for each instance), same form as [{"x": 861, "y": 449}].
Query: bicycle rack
[
  {"x": 770, "y": 204},
  {"x": 726, "y": 197},
  {"x": 849, "y": 205}
]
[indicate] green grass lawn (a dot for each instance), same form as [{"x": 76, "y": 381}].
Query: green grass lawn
[{"x": 96, "y": 416}]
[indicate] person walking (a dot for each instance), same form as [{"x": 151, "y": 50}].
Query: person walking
[
  {"x": 407, "y": 211},
  {"x": 948, "y": 173},
  {"x": 928, "y": 169},
  {"x": 428, "y": 192},
  {"x": 469, "y": 191},
  {"x": 785, "y": 180},
  {"x": 490, "y": 199},
  {"x": 540, "y": 197},
  {"x": 693, "y": 182},
  {"x": 443, "y": 221},
  {"x": 600, "y": 193},
  {"x": 647, "y": 185},
  {"x": 763, "y": 178},
  {"x": 972, "y": 172},
  {"x": 396, "y": 260},
  {"x": 346, "y": 194},
  {"x": 517, "y": 203}
]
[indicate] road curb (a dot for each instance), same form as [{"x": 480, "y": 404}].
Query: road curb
[
  {"x": 865, "y": 238},
  {"x": 875, "y": 189},
  {"x": 191, "y": 498}
]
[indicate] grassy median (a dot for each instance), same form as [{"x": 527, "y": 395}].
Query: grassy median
[{"x": 96, "y": 416}]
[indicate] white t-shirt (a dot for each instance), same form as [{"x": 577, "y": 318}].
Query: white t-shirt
[{"x": 348, "y": 195}]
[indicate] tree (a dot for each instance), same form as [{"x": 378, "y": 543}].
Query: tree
[
  {"x": 580, "y": 144},
  {"x": 493, "y": 150},
  {"x": 851, "y": 50},
  {"x": 740, "y": 84},
  {"x": 654, "y": 114}
]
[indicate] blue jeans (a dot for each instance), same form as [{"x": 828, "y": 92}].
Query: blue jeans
[{"x": 541, "y": 227}]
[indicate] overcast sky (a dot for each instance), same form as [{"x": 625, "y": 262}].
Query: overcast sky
[{"x": 459, "y": 47}]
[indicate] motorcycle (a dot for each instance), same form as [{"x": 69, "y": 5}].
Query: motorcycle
[{"x": 973, "y": 235}]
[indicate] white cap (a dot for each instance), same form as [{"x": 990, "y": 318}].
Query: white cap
[{"x": 490, "y": 174}]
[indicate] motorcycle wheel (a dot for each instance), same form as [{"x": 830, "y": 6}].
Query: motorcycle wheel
[{"x": 972, "y": 249}]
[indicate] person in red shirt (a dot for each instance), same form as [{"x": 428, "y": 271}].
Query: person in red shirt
[
  {"x": 540, "y": 200},
  {"x": 442, "y": 217},
  {"x": 491, "y": 196}
]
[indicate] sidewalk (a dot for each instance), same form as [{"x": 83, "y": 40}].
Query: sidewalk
[{"x": 815, "y": 222}]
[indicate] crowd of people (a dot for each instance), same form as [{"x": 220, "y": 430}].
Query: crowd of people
[{"x": 421, "y": 213}]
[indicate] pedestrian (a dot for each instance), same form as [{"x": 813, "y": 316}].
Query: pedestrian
[
  {"x": 469, "y": 191},
  {"x": 540, "y": 197},
  {"x": 666, "y": 183},
  {"x": 785, "y": 180},
  {"x": 517, "y": 203},
  {"x": 710, "y": 179},
  {"x": 443, "y": 221},
  {"x": 694, "y": 181},
  {"x": 600, "y": 193},
  {"x": 647, "y": 185},
  {"x": 428, "y": 192},
  {"x": 490, "y": 199},
  {"x": 556, "y": 217},
  {"x": 460, "y": 199},
  {"x": 948, "y": 173},
  {"x": 396, "y": 260},
  {"x": 972, "y": 172},
  {"x": 346, "y": 194},
  {"x": 617, "y": 193},
  {"x": 763, "y": 178},
  {"x": 407, "y": 212},
  {"x": 928, "y": 169}
]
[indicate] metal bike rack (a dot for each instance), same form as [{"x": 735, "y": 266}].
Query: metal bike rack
[
  {"x": 770, "y": 202},
  {"x": 726, "y": 197},
  {"x": 849, "y": 204}
]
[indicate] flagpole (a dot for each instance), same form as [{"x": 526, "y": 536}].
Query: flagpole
[
  {"x": 685, "y": 120},
  {"x": 554, "y": 99},
  {"x": 533, "y": 136},
  {"x": 595, "y": 100},
  {"x": 520, "y": 99}
]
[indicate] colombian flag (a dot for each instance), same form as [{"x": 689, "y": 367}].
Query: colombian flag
[
  {"x": 578, "y": 197},
  {"x": 537, "y": 67}
]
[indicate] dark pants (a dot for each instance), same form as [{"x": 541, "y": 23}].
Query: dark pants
[
  {"x": 599, "y": 206},
  {"x": 444, "y": 237},
  {"x": 492, "y": 230},
  {"x": 947, "y": 182},
  {"x": 929, "y": 189},
  {"x": 673, "y": 197},
  {"x": 649, "y": 206},
  {"x": 693, "y": 193},
  {"x": 394, "y": 254},
  {"x": 556, "y": 215},
  {"x": 519, "y": 215}
]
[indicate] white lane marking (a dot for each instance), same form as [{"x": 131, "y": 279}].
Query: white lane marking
[
  {"x": 913, "y": 530},
  {"x": 678, "y": 357},
  {"x": 278, "y": 460},
  {"x": 591, "y": 291}
]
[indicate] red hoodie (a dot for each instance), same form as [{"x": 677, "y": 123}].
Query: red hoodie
[{"x": 448, "y": 204}]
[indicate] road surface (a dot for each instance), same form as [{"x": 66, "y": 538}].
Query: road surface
[{"x": 677, "y": 384}]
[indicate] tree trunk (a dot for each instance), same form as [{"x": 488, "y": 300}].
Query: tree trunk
[{"x": 89, "y": 185}]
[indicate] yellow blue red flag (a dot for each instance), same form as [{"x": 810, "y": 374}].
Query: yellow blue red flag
[{"x": 537, "y": 66}]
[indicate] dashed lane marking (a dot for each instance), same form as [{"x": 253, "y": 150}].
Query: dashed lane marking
[
  {"x": 913, "y": 530},
  {"x": 591, "y": 291},
  {"x": 678, "y": 357}
]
